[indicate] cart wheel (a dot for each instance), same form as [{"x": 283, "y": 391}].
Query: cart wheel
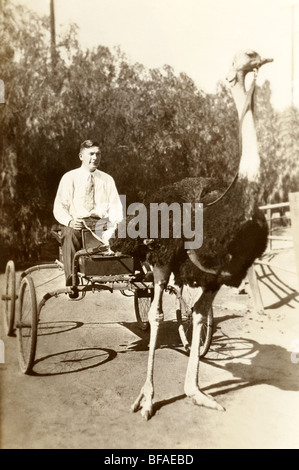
[
  {"x": 9, "y": 298},
  {"x": 142, "y": 302},
  {"x": 27, "y": 324},
  {"x": 184, "y": 317}
]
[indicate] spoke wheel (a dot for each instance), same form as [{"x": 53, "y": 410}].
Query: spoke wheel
[
  {"x": 27, "y": 324},
  {"x": 9, "y": 298},
  {"x": 184, "y": 316}
]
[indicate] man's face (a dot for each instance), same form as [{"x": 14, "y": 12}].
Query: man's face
[{"x": 90, "y": 158}]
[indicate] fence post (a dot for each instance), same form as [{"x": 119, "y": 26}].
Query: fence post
[
  {"x": 294, "y": 209},
  {"x": 255, "y": 291}
]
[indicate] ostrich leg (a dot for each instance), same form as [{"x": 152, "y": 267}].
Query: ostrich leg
[
  {"x": 192, "y": 390},
  {"x": 144, "y": 400}
]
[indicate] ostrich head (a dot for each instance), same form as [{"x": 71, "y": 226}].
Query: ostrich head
[{"x": 245, "y": 62}]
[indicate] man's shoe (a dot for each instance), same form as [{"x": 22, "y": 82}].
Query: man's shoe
[{"x": 74, "y": 294}]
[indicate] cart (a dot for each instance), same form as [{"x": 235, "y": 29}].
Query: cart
[{"x": 92, "y": 272}]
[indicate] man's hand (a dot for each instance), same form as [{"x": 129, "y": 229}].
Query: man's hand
[{"x": 76, "y": 224}]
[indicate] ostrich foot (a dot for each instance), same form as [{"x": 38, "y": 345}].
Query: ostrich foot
[
  {"x": 203, "y": 399},
  {"x": 144, "y": 403}
]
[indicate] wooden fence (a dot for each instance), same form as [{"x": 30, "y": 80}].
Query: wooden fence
[{"x": 283, "y": 214}]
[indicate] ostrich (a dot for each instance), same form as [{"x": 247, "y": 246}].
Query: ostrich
[{"x": 235, "y": 234}]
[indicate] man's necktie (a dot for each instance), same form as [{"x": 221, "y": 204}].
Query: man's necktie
[{"x": 89, "y": 193}]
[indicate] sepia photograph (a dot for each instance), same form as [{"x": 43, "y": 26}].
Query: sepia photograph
[{"x": 149, "y": 235}]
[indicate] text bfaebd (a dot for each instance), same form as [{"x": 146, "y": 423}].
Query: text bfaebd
[{"x": 172, "y": 459}]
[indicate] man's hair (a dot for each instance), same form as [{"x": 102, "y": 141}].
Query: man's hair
[{"x": 87, "y": 144}]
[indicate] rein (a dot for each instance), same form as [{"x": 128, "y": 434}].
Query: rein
[{"x": 245, "y": 109}]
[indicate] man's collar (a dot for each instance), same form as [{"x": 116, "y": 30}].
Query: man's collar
[{"x": 86, "y": 172}]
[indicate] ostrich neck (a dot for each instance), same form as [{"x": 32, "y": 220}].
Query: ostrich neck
[{"x": 249, "y": 166}]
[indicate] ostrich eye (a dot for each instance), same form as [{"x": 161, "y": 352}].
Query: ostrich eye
[{"x": 251, "y": 54}]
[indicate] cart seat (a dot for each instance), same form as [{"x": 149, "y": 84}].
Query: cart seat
[{"x": 101, "y": 264}]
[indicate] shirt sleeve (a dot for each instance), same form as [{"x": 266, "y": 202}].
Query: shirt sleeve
[
  {"x": 62, "y": 201},
  {"x": 115, "y": 209}
]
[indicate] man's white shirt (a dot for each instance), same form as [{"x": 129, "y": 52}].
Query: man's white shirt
[{"x": 69, "y": 201}]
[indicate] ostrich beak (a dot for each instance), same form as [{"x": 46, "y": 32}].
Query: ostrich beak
[{"x": 265, "y": 61}]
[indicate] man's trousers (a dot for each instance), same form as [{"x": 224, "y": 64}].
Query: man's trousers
[{"x": 71, "y": 241}]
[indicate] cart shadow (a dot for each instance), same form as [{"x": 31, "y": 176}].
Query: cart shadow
[
  {"x": 56, "y": 327},
  {"x": 270, "y": 365},
  {"x": 168, "y": 336},
  {"x": 72, "y": 361}
]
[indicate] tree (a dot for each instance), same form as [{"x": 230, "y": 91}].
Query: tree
[
  {"x": 288, "y": 154},
  {"x": 269, "y": 142}
]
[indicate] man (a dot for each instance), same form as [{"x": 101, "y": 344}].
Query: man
[{"x": 83, "y": 193}]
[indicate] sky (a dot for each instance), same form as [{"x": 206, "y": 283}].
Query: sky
[{"x": 198, "y": 37}]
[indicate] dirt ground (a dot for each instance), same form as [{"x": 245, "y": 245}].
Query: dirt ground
[{"x": 91, "y": 362}]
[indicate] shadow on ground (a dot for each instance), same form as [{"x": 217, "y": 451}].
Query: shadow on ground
[{"x": 75, "y": 360}]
